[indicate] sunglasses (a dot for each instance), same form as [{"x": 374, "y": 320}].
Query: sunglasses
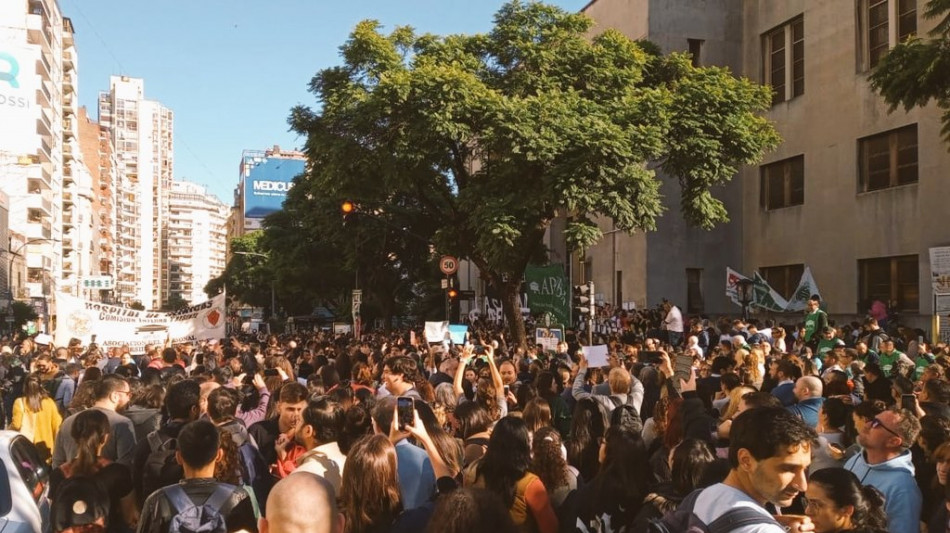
[{"x": 876, "y": 423}]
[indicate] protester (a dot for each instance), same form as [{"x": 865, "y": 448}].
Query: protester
[
  {"x": 198, "y": 451},
  {"x": 302, "y": 491},
  {"x": 37, "y": 417},
  {"x": 111, "y": 396},
  {"x": 837, "y": 502}
]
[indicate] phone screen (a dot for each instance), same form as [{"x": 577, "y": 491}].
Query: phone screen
[
  {"x": 404, "y": 408},
  {"x": 909, "y": 402}
]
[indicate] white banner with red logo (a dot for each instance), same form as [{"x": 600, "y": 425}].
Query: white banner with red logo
[{"x": 118, "y": 326}]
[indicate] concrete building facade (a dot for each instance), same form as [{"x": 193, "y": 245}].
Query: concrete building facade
[
  {"x": 197, "y": 241},
  {"x": 141, "y": 134},
  {"x": 34, "y": 101},
  {"x": 848, "y": 192},
  {"x": 264, "y": 177}
]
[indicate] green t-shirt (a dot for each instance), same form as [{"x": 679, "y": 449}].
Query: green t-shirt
[
  {"x": 825, "y": 345},
  {"x": 811, "y": 323},
  {"x": 920, "y": 364},
  {"x": 887, "y": 361}
]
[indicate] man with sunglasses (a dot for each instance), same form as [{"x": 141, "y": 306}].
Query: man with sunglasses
[{"x": 885, "y": 463}]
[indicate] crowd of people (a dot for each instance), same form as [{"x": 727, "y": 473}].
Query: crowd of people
[{"x": 750, "y": 427}]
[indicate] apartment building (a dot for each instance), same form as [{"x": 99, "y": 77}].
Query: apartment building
[
  {"x": 34, "y": 100},
  {"x": 850, "y": 193},
  {"x": 197, "y": 241},
  {"x": 141, "y": 135}
]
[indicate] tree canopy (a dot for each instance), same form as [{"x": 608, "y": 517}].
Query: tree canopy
[
  {"x": 918, "y": 70},
  {"x": 487, "y": 138}
]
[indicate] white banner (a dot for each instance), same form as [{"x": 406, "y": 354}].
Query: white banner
[
  {"x": 806, "y": 288},
  {"x": 940, "y": 269},
  {"x": 118, "y": 326}
]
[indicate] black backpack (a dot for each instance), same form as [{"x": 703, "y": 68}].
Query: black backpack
[
  {"x": 683, "y": 520},
  {"x": 80, "y": 505},
  {"x": 204, "y": 518},
  {"x": 161, "y": 467}
]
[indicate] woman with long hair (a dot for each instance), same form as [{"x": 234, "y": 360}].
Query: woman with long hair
[
  {"x": 836, "y": 502},
  {"x": 550, "y": 465},
  {"x": 688, "y": 463},
  {"x": 614, "y": 496},
  {"x": 36, "y": 416},
  {"x": 537, "y": 414},
  {"x": 504, "y": 470},
  {"x": 549, "y": 388},
  {"x": 474, "y": 428},
  {"x": 940, "y": 494},
  {"x": 90, "y": 431},
  {"x": 587, "y": 430}
]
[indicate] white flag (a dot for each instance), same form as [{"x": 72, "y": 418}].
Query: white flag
[{"x": 806, "y": 287}]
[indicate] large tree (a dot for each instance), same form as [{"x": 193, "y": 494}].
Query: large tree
[
  {"x": 918, "y": 70},
  {"x": 248, "y": 276},
  {"x": 495, "y": 135}
]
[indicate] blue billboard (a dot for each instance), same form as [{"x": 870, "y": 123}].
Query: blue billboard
[{"x": 266, "y": 184}]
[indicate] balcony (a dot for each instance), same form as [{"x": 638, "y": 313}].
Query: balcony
[
  {"x": 45, "y": 150},
  {"x": 39, "y": 203},
  {"x": 68, "y": 63},
  {"x": 42, "y": 68},
  {"x": 38, "y": 230},
  {"x": 34, "y": 26},
  {"x": 37, "y": 260},
  {"x": 68, "y": 32}
]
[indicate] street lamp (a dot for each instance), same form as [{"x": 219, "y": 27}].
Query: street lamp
[
  {"x": 744, "y": 289},
  {"x": 273, "y": 307}
]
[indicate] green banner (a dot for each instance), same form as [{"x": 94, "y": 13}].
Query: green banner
[{"x": 548, "y": 291}]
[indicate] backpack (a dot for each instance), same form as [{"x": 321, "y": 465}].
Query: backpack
[
  {"x": 204, "y": 518},
  {"x": 161, "y": 467},
  {"x": 683, "y": 520},
  {"x": 81, "y": 504},
  {"x": 52, "y": 385}
]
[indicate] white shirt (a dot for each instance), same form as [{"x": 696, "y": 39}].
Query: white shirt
[
  {"x": 674, "y": 320},
  {"x": 326, "y": 461},
  {"x": 720, "y": 498}
]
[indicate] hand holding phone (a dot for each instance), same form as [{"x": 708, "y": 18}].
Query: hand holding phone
[
  {"x": 404, "y": 406},
  {"x": 909, "y": 402}
]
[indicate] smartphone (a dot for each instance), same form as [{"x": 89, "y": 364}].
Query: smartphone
[
  {"x": 404, "y": 408},
  {"x": 479, "y": 350},
  {"x": 268, "y": 372},
  {"x": 506, "y": 390},
  {"x": 909, "y": 402},
  {"x": 651, "y": 357}
]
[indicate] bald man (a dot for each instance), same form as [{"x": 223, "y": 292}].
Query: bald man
[
  {"x": 808, "y": 393},
  {"x": 302, "y": 490}
]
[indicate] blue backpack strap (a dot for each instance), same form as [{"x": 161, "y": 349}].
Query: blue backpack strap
[
  {"x": 740, "y": 517},
  {"x": 220, "y": 496},
  {"x": 178, "y": 498}
]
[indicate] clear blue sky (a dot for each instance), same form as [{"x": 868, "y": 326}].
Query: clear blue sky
[{"x": 232, "y": 69}]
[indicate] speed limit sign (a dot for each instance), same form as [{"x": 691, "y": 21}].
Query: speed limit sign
[{"x": 448, "y": 265}]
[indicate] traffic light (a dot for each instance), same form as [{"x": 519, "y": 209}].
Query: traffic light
[
  {"x": 453, "y": 294},
  {"x": 347, "y": 208},
  {"x": 584, "y": 300}
]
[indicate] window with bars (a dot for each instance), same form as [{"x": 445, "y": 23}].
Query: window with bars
[
  {"x": 783, "y": 57},
  {"x": 783, "y": 183},
  {"x": 890, "y": 279},
  {"x": 885, "y": 23},
  {"x": 888, "y": 159}
]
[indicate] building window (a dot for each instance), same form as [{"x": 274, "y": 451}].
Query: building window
[
  {"x": 784, "y": 60},
  {"x": 696, "y": 51},
  {"x": 694, "y": 291},
  {"x": 884, "y": 23},
  {"x": 888, "y": 159},
  {"x": 784, "y": 279},
  {"x": 893, "y": 280},
  {"x": 783, "y": 183}
]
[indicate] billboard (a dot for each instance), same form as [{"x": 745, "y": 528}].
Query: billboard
[
  {"x": 19, "y": 109},
  {"x": 266, "y": 184}
]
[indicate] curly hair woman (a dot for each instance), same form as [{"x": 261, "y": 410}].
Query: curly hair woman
[{"x": 549, "y": 463}]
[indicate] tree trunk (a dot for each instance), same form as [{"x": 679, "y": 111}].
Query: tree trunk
[{"x": 511, "y": 302}]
